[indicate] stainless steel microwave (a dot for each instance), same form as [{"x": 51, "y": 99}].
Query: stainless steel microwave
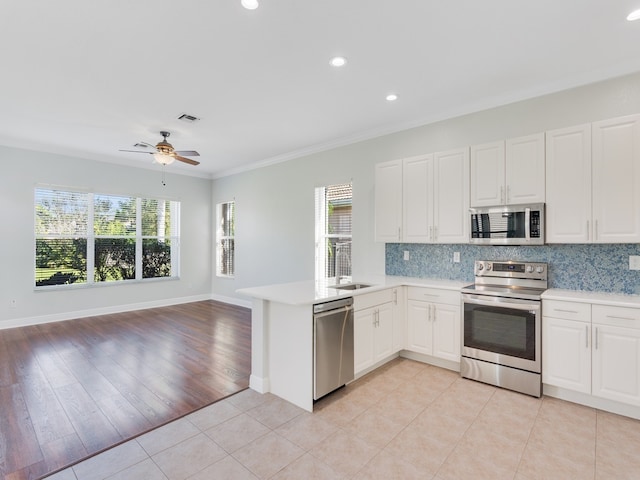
[{"x": 508, "y": 225}]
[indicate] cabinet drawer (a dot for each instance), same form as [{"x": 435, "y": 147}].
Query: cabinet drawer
[
  {"x": 368, "y": 300},
  {"x": 434, "y": 295},
  {"x": 567, "y": 310},
  {"x": 616, "y": 316}
]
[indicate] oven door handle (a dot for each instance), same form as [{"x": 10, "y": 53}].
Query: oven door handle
[{"x": 501, "y": 301}]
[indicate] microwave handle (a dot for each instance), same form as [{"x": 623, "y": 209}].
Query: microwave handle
[{"x": 527, "y": 223}]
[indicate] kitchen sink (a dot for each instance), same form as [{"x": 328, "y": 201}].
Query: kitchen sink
[{"x": 351, "y": 286}]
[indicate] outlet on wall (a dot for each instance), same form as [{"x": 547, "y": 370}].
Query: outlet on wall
[
  {"x": 406, "y": 255},
  {"x": 634, "y": 262},
  {"x": 456, "y": 257}
]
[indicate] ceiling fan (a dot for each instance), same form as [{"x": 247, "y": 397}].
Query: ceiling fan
[{"x": 165, "y": 154}]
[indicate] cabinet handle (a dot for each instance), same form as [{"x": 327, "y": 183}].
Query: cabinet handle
[
  {"x": 565, "y": 311},
  {"x": 430, "y": 295},
  {"x": 596, "y": 339},
  {"x": 588, "y": 232},
  {"x": 595, "y": 235},
  {"x": 395, "y": 296},
  {"x": 620, "y": 318},
  {"x": 508, "y": 193},
  {"x": 586, "y": 335},
  {"x": 501, "y": 194},
  {"x": 399, "y": 234},
  {"x": 431, "y": 232},
  {"x": 435, "y": 233}
]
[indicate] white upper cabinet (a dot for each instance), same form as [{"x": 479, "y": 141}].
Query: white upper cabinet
[
  {"x": 487, "y": 174},
  {"x": 433, "y": 193},
  {"x": 451, "y": 196},
  {"x": 508, "y": 172},
  {"x": 417, "y": 194},
  {"x": 524, "y": 171},
  {"x": 568, "y": 173},
  {"x": 388, "y": 201},
  {"x": 616, "y": 180}
]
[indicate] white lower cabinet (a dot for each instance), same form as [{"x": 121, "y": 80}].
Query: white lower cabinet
[
  {"x": 592, "y": 349},
  {"x": 566, "y": 346},
  {"x": 616, "y": 353},
  {"x": 433, "y": 322},
  {"x": 374, "y": 328}
]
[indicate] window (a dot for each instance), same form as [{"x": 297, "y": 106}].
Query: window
[
  {"x": 95, "y": 238},
  {"x": 225, "y": 239},
  {"x": 333, "y": 232}
]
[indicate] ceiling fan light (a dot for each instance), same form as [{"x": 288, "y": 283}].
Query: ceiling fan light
[
  {"x": 633, "y": 16},
  {"x": 249, "y": 4},
  {"x": 163, "y": 159}
]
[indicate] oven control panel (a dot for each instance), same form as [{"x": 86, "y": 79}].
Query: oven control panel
[{"x": 510, "y": 269}]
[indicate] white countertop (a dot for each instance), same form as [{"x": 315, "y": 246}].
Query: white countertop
[
  {"x": 600, "y": 298},
  {"x": 310, "y": 292}
]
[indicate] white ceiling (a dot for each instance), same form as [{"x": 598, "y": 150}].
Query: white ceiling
[{"x": 87, "y": 78}]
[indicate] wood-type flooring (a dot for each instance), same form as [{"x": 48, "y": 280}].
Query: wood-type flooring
[{"x": 71, "y": 389}]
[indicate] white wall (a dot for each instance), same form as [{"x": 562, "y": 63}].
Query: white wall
[
  {"x": 274, "y": 204},
  {"x": 20, "y": 172}
]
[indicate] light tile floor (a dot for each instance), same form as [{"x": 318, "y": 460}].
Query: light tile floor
[{"x": 404, "y": 421}]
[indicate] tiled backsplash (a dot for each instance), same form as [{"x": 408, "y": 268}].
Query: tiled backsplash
[{"x": 600, "y": 267}]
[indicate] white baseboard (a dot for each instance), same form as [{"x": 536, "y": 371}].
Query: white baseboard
[
  {"x": 591, "y": 401},
  {"x": 259, "y": 384},
  {"x": 438, "y": 362},
  {"x": 59, "y": 317},
  {"x": 231, "y": 300}
]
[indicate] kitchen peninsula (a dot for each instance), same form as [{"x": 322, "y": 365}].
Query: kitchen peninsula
[{"x": 282, "y": 330}]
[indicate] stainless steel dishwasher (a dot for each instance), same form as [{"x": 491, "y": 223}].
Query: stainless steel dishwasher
[{"x": 332, "y": 345}]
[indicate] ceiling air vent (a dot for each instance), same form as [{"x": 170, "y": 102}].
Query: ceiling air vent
[{"x": 188, "y": 118}]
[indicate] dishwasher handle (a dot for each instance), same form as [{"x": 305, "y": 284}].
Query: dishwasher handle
[{"x": 333, "y": 305}]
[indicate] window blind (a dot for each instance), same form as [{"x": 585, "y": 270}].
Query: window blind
[{"x": 91, "y": 238}]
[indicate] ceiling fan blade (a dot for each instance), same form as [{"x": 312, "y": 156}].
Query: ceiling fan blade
[
  {"x": 136, "y": 151},
  {"x": 147, "y": 144},
  {"x": 187, "y": 153},
  {"x": 186, "y": 160}
]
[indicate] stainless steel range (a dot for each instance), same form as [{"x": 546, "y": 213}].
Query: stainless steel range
[{"x": 502, "y": 321}]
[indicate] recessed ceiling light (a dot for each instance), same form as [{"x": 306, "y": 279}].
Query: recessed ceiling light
[
  {"x": 635, "y": 15},
  {"x": 249, "y": 4},
  {"x": 392, "y": 97},
  {"x": 338, "y": 61}
]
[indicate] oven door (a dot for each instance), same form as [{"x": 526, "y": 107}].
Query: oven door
[{"x": 500, "y": 330}]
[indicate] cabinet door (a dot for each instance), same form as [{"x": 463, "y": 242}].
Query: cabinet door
[
  {"x": 383, "y": 332},
  {"x": 446, "y": 332},
  {"x": 417, "y": 199},
  {"x": 616, "y": 363},
  {"x": 616, "y": 180},
  {"x": 487, "y": 175},
  {"x": 525, "y": 169},
  {"x": 388, "y": 201},
  {"x": 363, "y": 338},
  {"x": 399, "y": 319},
  {"x": 419, "y": 334},
  {"x": 566, "y": 354},
  {"x": 568, "y": 173},
  {"x": 451, "y": 196}
]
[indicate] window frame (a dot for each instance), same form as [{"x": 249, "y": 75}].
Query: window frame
[
  {"x": 228, "y": 239},
  {"x": 322, "y": 236},
  {"x": 90, "y": 236}
]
